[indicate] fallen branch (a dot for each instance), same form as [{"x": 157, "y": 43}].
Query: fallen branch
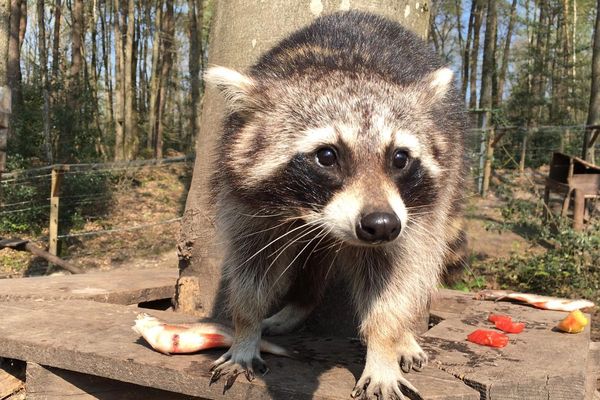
[{"x": 26, "y": 245}]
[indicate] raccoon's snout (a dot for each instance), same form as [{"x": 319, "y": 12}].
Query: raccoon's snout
[{"x": 378, "y": 227}]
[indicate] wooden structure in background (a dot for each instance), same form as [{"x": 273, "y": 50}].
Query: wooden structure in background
[{"x": 572, "y": 175}]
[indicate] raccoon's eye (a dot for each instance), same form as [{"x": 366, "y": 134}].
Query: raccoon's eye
[
  {"x": 400, "y": 158},
  {"x": 326, "y": 156}
]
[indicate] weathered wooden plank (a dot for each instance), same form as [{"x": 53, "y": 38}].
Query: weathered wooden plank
[
  {"x": 539, "y": 363},
  {"x": 592, "y": 383},
  {"x": 96, "y": 338},
  {"x": 117, "y": 286},
  {"x": 9, "y": 384},
  {"x": 48, "y": 383}
]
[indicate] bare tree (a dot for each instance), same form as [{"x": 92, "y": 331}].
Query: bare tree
[
  {"x": 168, "y": 50},
  {"x": 130, "y": 125},
  {"x": 43, "y": 54},
  {"x": 195, "y": 17},
  {"x": 473, "y": 58},
  {"x": 155, "y": 78},
  {"x": 506, "y": 53},
  {"x": 118, "y": 23},
  {"x": 14, "y": 53},
  {"x": 56, "y": 41},
  {"x": 594, "y": 109},
  {"x": 4, "y": 40}
]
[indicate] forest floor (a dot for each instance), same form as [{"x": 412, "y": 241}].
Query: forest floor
[{"x": 152, "y": 195}]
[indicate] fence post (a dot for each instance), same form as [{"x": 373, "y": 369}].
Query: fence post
[
  {"x": 5, "y": 109},
  {"x": 523, "y": 152},
  {"x": 489, "y": 152},
  {"x": 57, "y": 176}
]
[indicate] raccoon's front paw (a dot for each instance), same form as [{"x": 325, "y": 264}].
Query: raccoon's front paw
[
  {"x": 412, "y": 356},
  {"x": 232, "y": 364},
  {"x": 382, "y": 383}
]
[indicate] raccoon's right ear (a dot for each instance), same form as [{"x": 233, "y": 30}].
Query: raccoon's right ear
[{"x": 235, "y": 87}]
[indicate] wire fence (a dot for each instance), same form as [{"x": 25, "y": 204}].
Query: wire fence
[
  {"x": 101, "y": 209},
  {"x": 519, "y": 148}
]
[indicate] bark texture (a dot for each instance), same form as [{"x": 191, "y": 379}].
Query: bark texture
[
  {"x": 241, "y": 31},
  {"x": 4, "y": 90},
  {"x": 594, "y": 110}
]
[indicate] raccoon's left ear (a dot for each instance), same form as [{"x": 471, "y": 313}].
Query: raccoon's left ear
[
  {"x": 438, "y": 83},
  {"x": 235, "y": 87}
]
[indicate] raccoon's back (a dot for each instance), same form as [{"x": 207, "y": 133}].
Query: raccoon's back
[{"x": 350, "y": 41}]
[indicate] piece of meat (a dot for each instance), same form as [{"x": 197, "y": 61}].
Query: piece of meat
[
  {"x": 190, "y": 338},
  {"x": 543, "y": 302}
]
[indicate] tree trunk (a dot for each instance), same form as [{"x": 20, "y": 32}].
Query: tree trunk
[
  {"x": 168, "y": 49},
  {"x": 4, "y": 39},
  {"x": 14, "y": 55},
  {"x": 236, "y": 21},
  {"x": 56, "y": 41},
  {"x": 129, "y": 134},
  {"x": 43, "y": 50},
  {"x": 475, "y": 54},
  {"x": 74, "y": 87},
  {"x": 155, "y": 79},
  {"x": 466, "y": 52},
  {"x": 4, "y": 89},
  {"x": 195, "y": 17},
  {"x": 119, "y": 84},
  {"x": 594, "y": 109},
  {"x": 506, "y": 53},
  {"x": 106, "y": 62},
  {"x": 489, "y": 57}
]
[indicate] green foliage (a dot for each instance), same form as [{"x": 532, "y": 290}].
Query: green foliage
[
  {"x": 567, "y": 267},
  {"x": 25, "y": 202}
]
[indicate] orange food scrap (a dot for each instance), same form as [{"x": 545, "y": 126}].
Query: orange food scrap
[{"x": 575, "y": 322}]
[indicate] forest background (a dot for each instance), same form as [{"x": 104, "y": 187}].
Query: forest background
[{"x": 121, "y": 79}]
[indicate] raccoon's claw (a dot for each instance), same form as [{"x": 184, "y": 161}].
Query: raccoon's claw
[
  {"x": 414, "y": 361},
  {"x": 227, "y": 368},
  {"x": 371, "y": 389},
  {"x": 380, "y": 390}
]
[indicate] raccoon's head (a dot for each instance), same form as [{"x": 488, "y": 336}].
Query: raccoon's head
[{"x": 353, "y": 153}]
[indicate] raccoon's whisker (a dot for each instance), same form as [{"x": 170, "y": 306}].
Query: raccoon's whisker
[
  {"x": 254, "y": 233},
  {"x": 295, "y": 258},
  {"x": 341, "y": 244},
  {"x": 281, "y": 251},
  {"x": 257, "y": 215},
  {"x": 292, "y": 241},
  {"x": 270, "y": 243},
  {"x": 316, "y": 246}
]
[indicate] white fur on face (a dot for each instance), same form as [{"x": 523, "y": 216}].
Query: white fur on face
[
  {"x": 342, "y": 214},
  {"x": 345, "y": 210},
  {"x": 395, "y": 201},
  {"x": 405, "y": 139}
]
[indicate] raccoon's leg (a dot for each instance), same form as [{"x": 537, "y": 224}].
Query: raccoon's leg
[
  {"x": 304, "y": 295},
  {"x": 252, "y": 289},
  {"x": 387, "y": 326}
]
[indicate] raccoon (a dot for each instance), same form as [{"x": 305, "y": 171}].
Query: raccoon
[{"x": 341, "y": 154}]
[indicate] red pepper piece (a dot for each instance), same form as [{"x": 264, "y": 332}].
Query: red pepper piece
[
  {"x": 510, "y": 327},
  {"x": 488, "y": 338},
  {"x": 497, "y": 317}
]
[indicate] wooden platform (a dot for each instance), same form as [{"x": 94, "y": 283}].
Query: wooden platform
[
  {"x": 87, "y": 350},
  {"x": 118, "y": 287}
]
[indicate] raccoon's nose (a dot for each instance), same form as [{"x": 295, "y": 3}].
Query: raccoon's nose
[{"x": 378, "y": 227}]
